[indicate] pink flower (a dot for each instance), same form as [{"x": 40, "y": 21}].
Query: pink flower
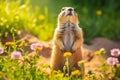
[
  {"x": 112, "y": 61},
  {"x": 1, "y": 50},
  {"x": 115, "y": 52},
  {"x": 16, "y": 55},
  {"x": 36, "y": 46}
]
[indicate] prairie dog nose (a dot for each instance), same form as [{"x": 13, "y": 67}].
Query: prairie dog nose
[{"x": 70, "y": 9}]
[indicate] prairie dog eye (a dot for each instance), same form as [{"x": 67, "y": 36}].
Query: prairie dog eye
[{"x": 62, "y": 9}]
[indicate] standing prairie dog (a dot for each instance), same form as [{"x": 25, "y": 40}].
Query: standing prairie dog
[{"x": 68, "y": 37}]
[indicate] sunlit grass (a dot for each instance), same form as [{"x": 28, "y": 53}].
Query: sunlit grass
[{"x": 17, "y": 16}]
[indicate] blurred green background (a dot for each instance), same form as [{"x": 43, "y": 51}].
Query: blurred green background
[{"x": 98, "y": 18}]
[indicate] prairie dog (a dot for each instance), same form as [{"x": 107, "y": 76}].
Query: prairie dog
[{"x": 67, "y": 37}]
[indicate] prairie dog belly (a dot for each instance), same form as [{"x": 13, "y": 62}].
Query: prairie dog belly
[{"x": 68, "y": 38}]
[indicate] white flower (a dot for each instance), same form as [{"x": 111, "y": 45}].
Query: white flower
[
  {"x": 16, "y": 55},
  {"x": 1, "y": 50},
  {"x": 115, "y": 52},
  {"x": 112, "y": 61},
  {"x": 36, "y": 46}
]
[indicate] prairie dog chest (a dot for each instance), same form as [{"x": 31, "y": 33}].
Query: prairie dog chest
[
  {"x": 68, "y": 35},
  {"x": 69, "y": 31}
]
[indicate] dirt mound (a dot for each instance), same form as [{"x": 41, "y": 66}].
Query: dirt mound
[
  {"x": 92, "y": 62},
  {"x": 98, "y": 43}
]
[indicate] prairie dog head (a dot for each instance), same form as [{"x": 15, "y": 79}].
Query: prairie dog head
[{"x": 67, "y": 14}]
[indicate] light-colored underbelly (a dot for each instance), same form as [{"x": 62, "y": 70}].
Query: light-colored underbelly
[{"x": 68, "y": 40}]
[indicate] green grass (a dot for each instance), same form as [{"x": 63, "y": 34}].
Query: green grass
[{"x": 16, "y": 16}]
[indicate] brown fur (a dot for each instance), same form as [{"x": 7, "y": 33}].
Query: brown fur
[{"x": 67, "y": 37}]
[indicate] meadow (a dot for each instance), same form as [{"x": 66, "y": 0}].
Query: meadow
[{"x": 39, "y": 18}]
